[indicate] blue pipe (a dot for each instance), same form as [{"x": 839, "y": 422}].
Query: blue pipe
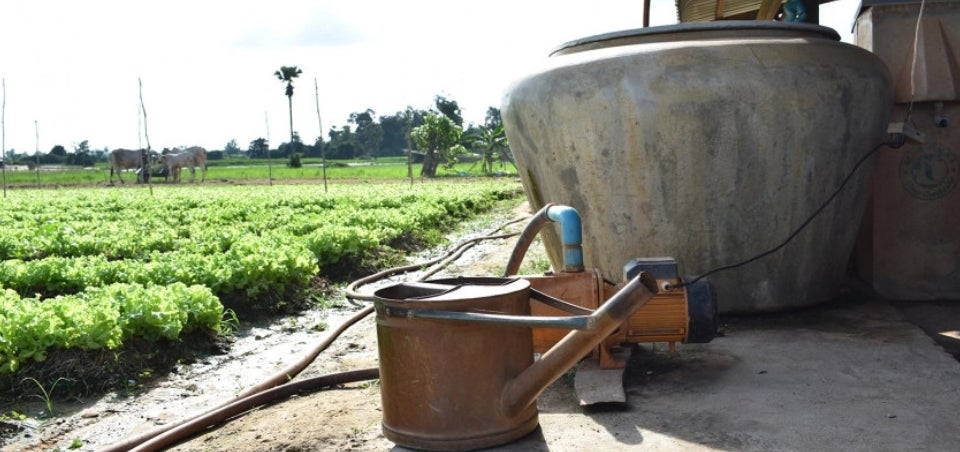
[{"x": 571, "y": 236}]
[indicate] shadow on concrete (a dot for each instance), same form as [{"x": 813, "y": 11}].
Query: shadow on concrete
[
  {"x": 854, "y": 373},
  {"x": 940, "y": 319}
]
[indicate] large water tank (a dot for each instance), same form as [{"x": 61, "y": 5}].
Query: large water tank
[{"x": 709, "y": 142}]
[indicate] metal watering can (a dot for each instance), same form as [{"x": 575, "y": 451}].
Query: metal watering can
[{"x": 457, "y": 367}]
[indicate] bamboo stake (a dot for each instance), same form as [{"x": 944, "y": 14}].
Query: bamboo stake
[
  {"x": 145, "y": 165},
  {"x": 3, "y": 138},
  {"x": 408, "y": 117},
  {"x": 323, "y": 151},
  {"x": 36, "y": 152},
  {"x": 409, "y": 127},
  {"x": 269, "y": 165}
]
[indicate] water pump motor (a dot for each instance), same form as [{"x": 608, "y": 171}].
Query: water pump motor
[{"x": 676, "y": 313}]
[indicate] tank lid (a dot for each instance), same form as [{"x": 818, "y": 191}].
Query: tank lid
[{"x": 672, "y": 32}]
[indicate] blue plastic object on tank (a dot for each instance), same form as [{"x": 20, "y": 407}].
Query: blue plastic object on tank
[{"x": 571, "y": 235}]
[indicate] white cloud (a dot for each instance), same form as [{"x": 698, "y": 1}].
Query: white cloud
[
  {"x": 207, "y": 66},
  {"x": 321, "y": 28}
]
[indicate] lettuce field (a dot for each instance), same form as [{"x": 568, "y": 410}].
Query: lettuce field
[{"x": 91, "y": 268}]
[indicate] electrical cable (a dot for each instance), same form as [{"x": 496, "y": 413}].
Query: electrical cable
[
  {"x": 892, "y": 143},
  {"x": 913, "y": 64}
]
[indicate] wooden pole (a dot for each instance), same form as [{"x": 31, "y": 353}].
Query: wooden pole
[
  {"x": 323, "y": 151},
  {"x": 36, "y": 152},
  {"x": 409, "y": 127},
  {"x": 3, "y": 138},
  {"x": 768, "y": 9},
  {"x": 139, "y": 125},
  {"x": 145, "y": 165},
  {"x": 269, "y": 165}
]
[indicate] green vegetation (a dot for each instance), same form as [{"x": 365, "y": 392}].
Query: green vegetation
[
  {"x": 242, "y": 170},
  {"x": 101, "y": 317},
  {"x": 47, "y": 396},
  {"x": 437, "y": 137},
  {"x": 92, "y": 269}
]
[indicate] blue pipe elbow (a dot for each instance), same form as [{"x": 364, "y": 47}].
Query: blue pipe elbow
[{"x": 571, "y": 236}]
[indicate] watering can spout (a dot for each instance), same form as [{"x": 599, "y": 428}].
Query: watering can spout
[{"x": 524, "y": 389}]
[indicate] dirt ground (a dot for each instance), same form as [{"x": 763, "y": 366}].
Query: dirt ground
[{"x": 348, "y": 417}]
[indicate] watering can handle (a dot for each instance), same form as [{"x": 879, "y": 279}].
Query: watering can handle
[
  {"x": 578, "y": 322},
  {"x": 554, "y": 302}
]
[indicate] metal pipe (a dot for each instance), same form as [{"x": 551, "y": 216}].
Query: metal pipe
[
  {"x": 646, "y": 13},
  {"x": 526, "y": 387},
  {"x": 579, "y": 322}
]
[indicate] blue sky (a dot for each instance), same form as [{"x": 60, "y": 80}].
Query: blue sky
[{"x": 71, "y": 68}]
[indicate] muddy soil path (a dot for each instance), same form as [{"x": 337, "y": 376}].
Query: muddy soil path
[{"x": 346, "y": 418}]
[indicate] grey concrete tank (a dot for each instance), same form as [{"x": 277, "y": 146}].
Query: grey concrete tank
[{"x": 710, "y": 142}]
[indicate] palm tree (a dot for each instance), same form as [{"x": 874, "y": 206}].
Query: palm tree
[{"x": 287, "y": 74}]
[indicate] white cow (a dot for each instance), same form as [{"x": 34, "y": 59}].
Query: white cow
[
  {"x": 191, "y": 158},
  {"x": 121, "y": 159}
]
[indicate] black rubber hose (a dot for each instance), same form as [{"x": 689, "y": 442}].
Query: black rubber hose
[
  {"x": 278, "y": 378},
  {"x": 219, "y": 415},
  {"x": 537, "y": 222}
]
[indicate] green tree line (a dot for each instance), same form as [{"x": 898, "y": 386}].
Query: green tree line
[{"x": 437, "y": 136}]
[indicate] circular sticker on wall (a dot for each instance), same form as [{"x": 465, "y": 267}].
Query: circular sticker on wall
[{"x": 929, "y": 172}]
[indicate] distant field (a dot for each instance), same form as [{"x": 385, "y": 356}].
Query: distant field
[{"x": 255, "y": 170}]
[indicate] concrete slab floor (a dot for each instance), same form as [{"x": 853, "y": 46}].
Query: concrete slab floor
[{"x": 852, "y": 375}]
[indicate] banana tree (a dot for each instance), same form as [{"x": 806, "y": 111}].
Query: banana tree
[{"x": 493, "y": 142}]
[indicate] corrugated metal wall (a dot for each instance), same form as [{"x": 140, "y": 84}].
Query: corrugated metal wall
[{"x": 702, "y": 10}]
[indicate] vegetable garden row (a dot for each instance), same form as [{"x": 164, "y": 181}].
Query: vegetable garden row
[{"x": 90, "y": 268}]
